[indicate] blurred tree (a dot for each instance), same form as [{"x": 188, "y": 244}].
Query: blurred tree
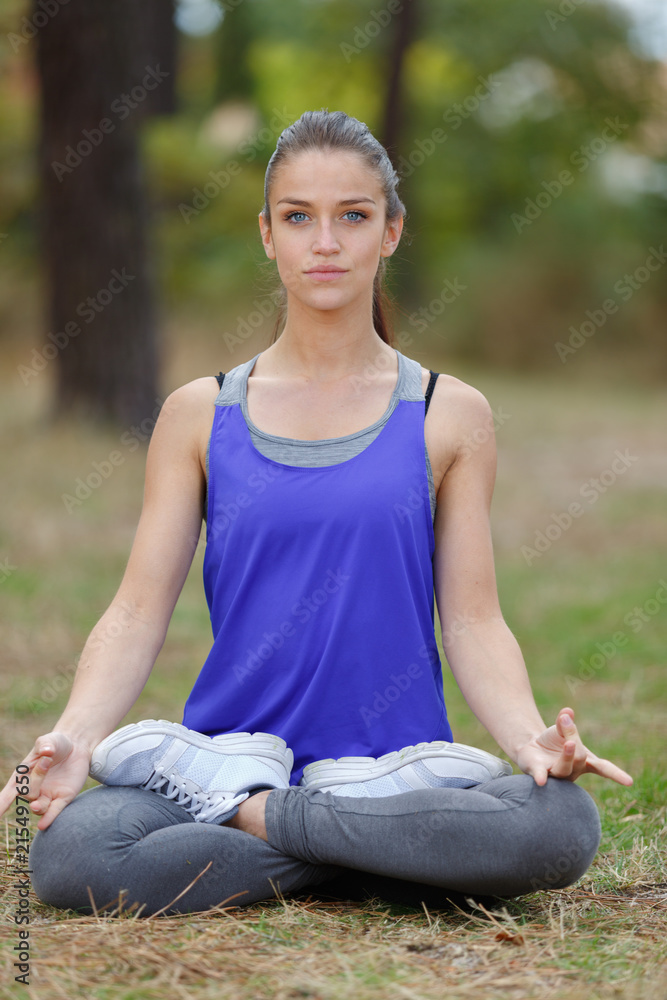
[
  {"x": 234, "y": 79},
  {"x": 498, "y": 101},
  {"x": 103, "y": 69},
  {"x": 405, "y": 27}
]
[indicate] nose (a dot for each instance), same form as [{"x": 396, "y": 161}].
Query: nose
[{"x": 325, "y": 240}]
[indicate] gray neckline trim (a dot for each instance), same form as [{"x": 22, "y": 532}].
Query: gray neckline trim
[
  {"x": 408, "y": 386},
  {"x": 402, "y": 390}
]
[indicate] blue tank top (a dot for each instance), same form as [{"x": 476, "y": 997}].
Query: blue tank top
[{"x": 319, "y": 583}]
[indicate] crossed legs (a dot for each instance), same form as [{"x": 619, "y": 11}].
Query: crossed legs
[{"x": 506, "y": 837}]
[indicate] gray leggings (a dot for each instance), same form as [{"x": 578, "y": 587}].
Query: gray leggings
[{"x": 505, "y": 837}]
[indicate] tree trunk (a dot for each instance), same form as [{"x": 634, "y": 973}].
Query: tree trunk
[
  {"x": 100, "y": 76},
  {"x": 392, "y": 124},
  {"x": 234, "y": 79}
]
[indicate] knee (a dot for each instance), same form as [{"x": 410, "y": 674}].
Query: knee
[
  {"x": 56, "y": 860},
  {"x": 67, "y": 857},
  {"x": 571, "y": 833}
]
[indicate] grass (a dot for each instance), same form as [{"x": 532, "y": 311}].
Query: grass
[{"x": 603, "y": 938}]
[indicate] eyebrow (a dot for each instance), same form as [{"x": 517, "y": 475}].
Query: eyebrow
[{"x": 307, "y": 204}]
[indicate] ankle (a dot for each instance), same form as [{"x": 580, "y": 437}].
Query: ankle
[{"x": 250, "y": 816}]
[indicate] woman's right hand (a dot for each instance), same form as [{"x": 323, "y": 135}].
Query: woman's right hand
[{"x": 58, "y": 768}]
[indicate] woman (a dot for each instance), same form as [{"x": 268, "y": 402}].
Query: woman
[{"x": 333, "y": 508}]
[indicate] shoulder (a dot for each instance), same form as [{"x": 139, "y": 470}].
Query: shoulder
[
  {"x": 186, "y": 415},
  {"x": 190, "y": 402},
  {"x": 458, "y": 407},
  {"x": 191, "y": 396}
]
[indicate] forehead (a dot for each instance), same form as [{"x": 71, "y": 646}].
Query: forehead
[{"x": 326, "y": 175}]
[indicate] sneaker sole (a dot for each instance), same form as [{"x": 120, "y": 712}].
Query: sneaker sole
[
  {"x": 358, "y": 769},
  {"x": 263, "y": 744}
]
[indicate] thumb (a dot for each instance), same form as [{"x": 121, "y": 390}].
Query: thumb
[
  {"x": 51, "y": 749},
  {"x": 540, "y": 775}
]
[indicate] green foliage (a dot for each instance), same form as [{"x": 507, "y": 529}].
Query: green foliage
[{"x": 499, "y": 100}]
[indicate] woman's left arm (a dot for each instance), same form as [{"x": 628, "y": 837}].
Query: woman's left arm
[{"x": 482, "y": 653}]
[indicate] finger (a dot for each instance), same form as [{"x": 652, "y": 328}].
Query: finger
[
  {"x": 605, "y": 768},
  {"x": 16, "y": 781},
  {"x": 564, "y": 764},
  {"x": 49, "y": 750},
  {"x": 8, "y": 793},
  {"x": 46, "y": 750},
  {"x": 54, "y": 746},
  {"x": 38, "y": 772},
  {"x": 57, "y": 806},
  {"x": 565, "y": 724},
  {"x": 539, "y": 774},
  {"x": 40, "y": 804}
]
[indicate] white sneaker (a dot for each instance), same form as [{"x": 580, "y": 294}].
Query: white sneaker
[
  {"x": 426, "y": 765},
  {"x": 208, "y": 776}
]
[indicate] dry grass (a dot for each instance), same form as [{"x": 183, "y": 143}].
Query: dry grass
[{"x": 328, "y": 950}]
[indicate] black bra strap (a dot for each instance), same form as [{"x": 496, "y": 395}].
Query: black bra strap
[{"x": 429, "y": 390}]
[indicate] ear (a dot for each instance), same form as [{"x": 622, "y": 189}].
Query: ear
[
  {"x": 392, "y": 235},
  {"x": 267, "y": 239}
]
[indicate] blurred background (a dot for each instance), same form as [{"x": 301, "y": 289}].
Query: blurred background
[
  {"x": 530, "y": 137},
  {"x": 531, "y": 141}
]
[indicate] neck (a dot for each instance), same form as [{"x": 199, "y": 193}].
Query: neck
[{"x": 324, "y": 346}]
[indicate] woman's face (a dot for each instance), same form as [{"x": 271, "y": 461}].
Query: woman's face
[{"x": 328, "y": 210}]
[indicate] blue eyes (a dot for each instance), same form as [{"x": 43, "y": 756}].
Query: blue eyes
[{"x": 352, "y": 211}]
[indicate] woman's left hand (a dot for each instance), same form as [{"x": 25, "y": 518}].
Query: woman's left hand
[{"x": 558, "y": 752}]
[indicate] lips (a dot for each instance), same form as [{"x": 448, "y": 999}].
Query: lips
[
  {"x": 326, "y": 273},
  {"x": 325, "y": 269}
]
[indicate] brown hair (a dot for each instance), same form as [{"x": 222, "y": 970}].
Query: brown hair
[{"x": 336, "y": 130}]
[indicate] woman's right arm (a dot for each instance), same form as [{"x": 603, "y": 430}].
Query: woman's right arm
[{"x": 122, "y": 648}]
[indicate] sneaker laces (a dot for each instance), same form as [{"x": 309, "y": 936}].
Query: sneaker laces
[{"x": 206, "y": 807}]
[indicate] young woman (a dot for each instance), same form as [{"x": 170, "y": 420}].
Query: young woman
[{"x": 338, "y": 492}]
